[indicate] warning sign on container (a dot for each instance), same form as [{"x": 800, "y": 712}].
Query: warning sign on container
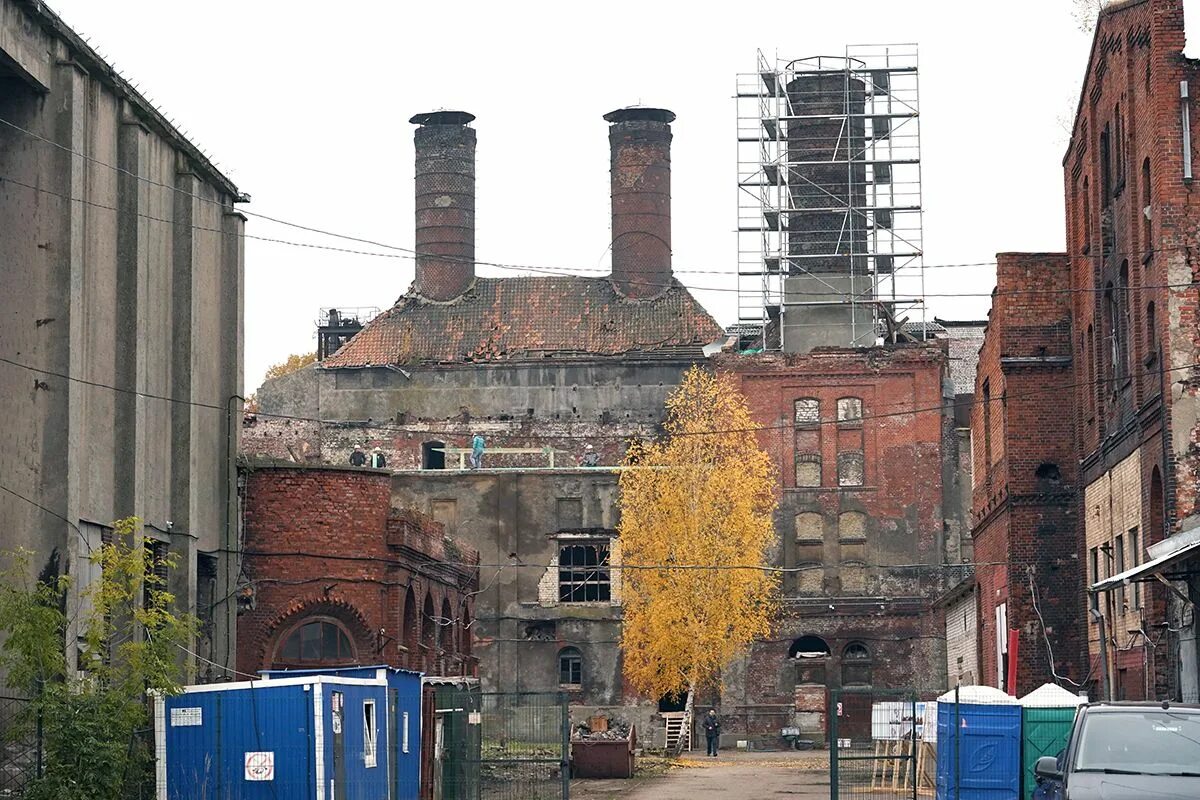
[{"x": 260, "y": 766}]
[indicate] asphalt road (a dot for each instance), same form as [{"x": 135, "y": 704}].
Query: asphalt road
[{"x": 735, "y": 776}]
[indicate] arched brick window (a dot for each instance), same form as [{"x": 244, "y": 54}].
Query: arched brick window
[
  {"x": 428, "y": 636},
  {"x": 446, "y": 627},
  {"x": 856, "y": 665},
  {"x": 410, "y": 620},
  {"x": 570, "y": 667},
  {"x": 319, "y": 641}
]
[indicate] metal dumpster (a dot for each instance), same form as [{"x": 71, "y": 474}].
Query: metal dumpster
[{"x": 603, "y": 758}]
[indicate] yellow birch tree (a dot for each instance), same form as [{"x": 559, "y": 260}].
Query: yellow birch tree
[{"x": 696, "y": 526}]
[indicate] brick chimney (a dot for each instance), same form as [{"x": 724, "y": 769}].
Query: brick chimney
[
  {"x": 445, "y": 186},
  {"x": 640, "y": 143}
]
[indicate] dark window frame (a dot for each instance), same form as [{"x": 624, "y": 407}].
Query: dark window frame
[{"x": 584, "y": 571}]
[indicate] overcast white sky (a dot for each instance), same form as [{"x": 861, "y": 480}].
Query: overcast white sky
[{"x": 305, "y": 106}]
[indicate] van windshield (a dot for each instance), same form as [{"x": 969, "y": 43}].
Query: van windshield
[{"x": 1149, "y": 742}]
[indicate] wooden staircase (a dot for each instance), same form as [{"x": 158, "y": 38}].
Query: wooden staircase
[{"x": 679, "y": 728}]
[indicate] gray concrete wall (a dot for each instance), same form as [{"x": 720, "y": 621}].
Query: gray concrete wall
[
  {"x": 818, "y": 313},
  {"x": 626, "y": 390},
  {"x": 512, "y": 518},
  {"x": 120, "y": 323}
]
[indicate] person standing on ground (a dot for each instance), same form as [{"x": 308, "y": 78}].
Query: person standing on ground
[
  {"x": 712, "y": 732},
  {"x": 477, "y": 451}
]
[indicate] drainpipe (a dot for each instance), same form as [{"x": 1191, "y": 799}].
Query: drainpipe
[{"x": 1104, "y": 693}]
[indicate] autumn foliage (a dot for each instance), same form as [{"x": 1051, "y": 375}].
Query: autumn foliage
[
  {"x": 293, "y": 363},
  {"x": 696, "y": 527}
]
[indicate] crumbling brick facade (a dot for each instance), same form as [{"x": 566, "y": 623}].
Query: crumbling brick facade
[
  {"x": 1129, "y": 393},
  {"x": 863, "y": 440},
  {"x": 1025, "y": 482},
  {"x": 325, "y": 545}
]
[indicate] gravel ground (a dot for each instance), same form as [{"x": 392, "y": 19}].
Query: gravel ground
[{"x": 735, "y": 776}]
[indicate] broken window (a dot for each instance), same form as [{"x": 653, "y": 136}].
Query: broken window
[
  {"x": 570, "y": 667},
  {"x": 849, "y": 409},
  {"x": 856, "y": 665},
  {"x": 370, "y": 735},
  {"x": 850, "y": 469},
  {"x": 808, "y": 469},
  {"x": 156, "y": 571},
  {"x": 808, "y": 411},
  {"x": 583, "y": 573}
]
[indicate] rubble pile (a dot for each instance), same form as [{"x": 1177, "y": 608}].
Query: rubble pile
[{"x": 602, "y": 728}]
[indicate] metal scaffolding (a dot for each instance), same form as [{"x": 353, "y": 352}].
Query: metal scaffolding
[{"x": 829, "y": 186}]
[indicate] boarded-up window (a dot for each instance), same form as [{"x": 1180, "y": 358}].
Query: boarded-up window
[
  {"x": 445, "y": 512},
  {"x": 810, "y": 578},
  {"x": 854, "y": 578},
  {"x": 850, "y": 469},
  {"x": 849, "y": 409},
  {"x": 809, "y": 527},
  {"x": 808, "y": 411},
  {"x": 852, "y": 526},
  {"x": 808, "y": 469},
  {"x": 570, "y": 512}
]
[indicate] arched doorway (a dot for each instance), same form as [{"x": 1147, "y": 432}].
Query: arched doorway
[{"x": 810, "y": 654}]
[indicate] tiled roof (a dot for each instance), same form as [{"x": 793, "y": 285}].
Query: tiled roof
[{"x": 524, "y": 318}]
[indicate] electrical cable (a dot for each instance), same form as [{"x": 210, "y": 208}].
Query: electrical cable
[{"x": 833, "y": 421}]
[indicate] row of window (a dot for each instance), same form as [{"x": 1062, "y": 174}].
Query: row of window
[
  {"x": 851, "y": 469},
  {"x": 808, "y": 410}
]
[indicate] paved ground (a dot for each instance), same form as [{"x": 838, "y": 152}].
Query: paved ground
[{"x": 734, "y": 776}]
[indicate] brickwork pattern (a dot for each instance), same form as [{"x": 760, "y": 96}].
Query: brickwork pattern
[{"x": 327, "y": 543}]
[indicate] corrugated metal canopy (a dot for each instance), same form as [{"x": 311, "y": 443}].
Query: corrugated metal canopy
[{"x": 1145, "y": 571}]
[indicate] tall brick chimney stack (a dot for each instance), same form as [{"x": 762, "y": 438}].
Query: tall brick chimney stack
[
  {"x": 445, "y": 185},
  {"x": 640, "y": 142}
]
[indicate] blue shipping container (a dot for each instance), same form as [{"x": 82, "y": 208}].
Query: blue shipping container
[
  {"x": 403, "y": 721},
  {"x": 303, "y": 738},
  {"x": 978, "y": 750}
]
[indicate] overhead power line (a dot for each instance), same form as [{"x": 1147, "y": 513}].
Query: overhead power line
[{"x": 866, "y": 417}]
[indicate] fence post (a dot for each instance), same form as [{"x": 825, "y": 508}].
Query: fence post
[
  {"x": 566, "y": 746},
  {"x": 833, "y": 744},
  {"x": 916, "y": 742},
  {"x": 957, "y": 747}
]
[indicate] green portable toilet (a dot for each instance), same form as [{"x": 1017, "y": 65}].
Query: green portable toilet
[{"x": 1046, "y": 717}]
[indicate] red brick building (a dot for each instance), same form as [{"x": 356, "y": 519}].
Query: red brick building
[
  {"x": 1123, "y": 395},
  {"x": 339, "y": 576},
  {"x": 865, "y": 444},
  {"x": 1025, "y": 478}
]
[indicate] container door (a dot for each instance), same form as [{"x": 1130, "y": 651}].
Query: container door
[
  {"x": 337, "y": 705},
  {"x": 439, "y": 755}
]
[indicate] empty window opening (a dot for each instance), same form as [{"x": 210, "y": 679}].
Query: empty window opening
[
  {"x": 445, "y": 627},
  {"x": 808, "y": 411},
  {"x": 810, "y": 654},
  {"x": 849, "y": 409},
  {"x": 583, "y": 573},
  {"x": 409, "y": 626},
  {"x": 156, "y": 565},
  {"x": 428, "y": 636},
  {"x": 570, "y": 667},
  {"x": 1147, "y": 227},
  {"x": 1151, "y": 331},
  {"x": 433, "y": 455}
]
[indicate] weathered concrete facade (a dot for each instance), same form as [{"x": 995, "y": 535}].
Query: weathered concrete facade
[{"x": 120, "y": 322}]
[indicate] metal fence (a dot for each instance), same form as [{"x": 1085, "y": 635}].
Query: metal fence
[
  {"x": 20, "y": 746},
  {"x": 973, "y": 741},
  {"x": 877, "y": 745},
  {"x": 524, "y": 746}
]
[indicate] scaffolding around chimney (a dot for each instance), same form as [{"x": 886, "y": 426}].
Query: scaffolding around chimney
[
  {"x": 829, "y": 198},
  {"x": 336, "y": 326}
]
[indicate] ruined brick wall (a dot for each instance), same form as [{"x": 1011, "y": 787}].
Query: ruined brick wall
[
  {"x": 962, "y": 639},
  {"x": 860, "y": 520},
  {"x": 1025, "y": 533},
  {"x": 325, "y": 543}
]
